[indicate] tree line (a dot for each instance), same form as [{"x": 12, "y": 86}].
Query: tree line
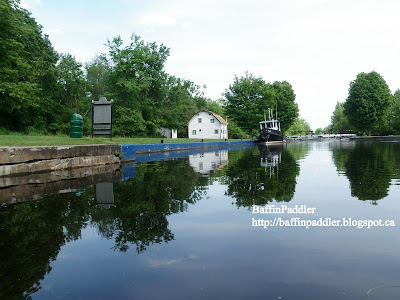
[
  {"x": 370, "y": 108},
  {"x": 40, "y": 89}
]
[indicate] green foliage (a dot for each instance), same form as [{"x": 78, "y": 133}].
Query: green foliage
[
  {"x": 137, "y": 78},
  {"x": 299, "y": 127},
  {"x": 339, "y": 121},
  {"x": 284, "y": 98},
  {"x": 96, "y": 76},
  {"x": 369, "y": 98},
  {"x": 319, "y": 131},
  {"x": 128, "y": 122},
  {"x": 178, "y": 104},
  {"x": 234, "y": 131},
  {"x": 246, "y": 99},
  {"x": 28, "y": 77},
  {"x": 391, "y": 119}
]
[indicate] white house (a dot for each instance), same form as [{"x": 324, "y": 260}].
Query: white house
[{"x": 207, "y": 125}]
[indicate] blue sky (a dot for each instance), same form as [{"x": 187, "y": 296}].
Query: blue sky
[{"x": 319, "y": 46}]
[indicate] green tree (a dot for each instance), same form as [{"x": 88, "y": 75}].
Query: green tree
[
  {"x": 319, "y": 131},
  {"x": 96, "y": 77},
  {"x": 285, "y": 97},
  {"x": 136, "y": 81},
  {"x": 300, "y": 126},
  {"x": 28, "y": 76},
  {"x": 72, "y": 84},
  {"x": 392, "y": 117},
  {"x": 369, "y": 98},
  {"x": 339, "y": 121},
  {"x": 245, "y": 101},
  {"x": 178, "y": 104},
  {"x": 234, "y": 131}
]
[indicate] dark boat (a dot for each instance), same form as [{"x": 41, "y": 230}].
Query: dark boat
[{"x": 270, "y": 130}]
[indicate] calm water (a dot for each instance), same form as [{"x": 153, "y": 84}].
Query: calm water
[{"x": 182, "y": 228}]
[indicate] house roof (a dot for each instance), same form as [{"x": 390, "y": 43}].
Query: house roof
[{"x": 217, "y": 116}]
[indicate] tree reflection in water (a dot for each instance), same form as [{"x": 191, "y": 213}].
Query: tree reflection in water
[
  {"x": 261, "y": 175},
  {"x": 32, "y": 233},
  {"x": 370, "y": 167}
]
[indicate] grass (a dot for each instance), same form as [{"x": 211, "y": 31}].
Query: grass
[{"x": 59, "y": 140}]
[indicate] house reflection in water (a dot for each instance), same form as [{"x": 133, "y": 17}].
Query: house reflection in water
[{"x": 208, "y": 162}]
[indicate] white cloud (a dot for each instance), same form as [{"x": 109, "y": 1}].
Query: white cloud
[
  {"x": 157, "y": 20},
  {"x": 28, "y": 4}
]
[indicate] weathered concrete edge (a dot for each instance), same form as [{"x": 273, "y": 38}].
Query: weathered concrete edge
[
  {"x": 15, "y": 155},
  {"x": 57, "y": 164},
  {"x": 129, "y": 151}
]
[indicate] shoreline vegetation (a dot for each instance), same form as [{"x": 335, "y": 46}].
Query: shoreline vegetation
[{"x": 16, "y": 140}]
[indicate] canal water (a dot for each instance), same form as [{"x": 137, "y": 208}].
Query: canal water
[{"x": 316, "y": 220}]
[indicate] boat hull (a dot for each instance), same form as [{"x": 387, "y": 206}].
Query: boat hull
[{"x": 270, "y": 135}]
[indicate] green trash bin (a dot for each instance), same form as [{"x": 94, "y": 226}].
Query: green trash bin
[{"x": 76, "y": 126}]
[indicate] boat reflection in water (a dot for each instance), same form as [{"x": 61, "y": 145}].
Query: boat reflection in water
[{"x": 270, "y": 157}]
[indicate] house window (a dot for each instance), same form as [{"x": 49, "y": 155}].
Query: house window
[
  {"x": 199, "y": 120},
  {"x": 216, "y": 131},
  {"x": 212, "y": 120},
  {"x": 200, "y": 166},
  {"x": 194, "y": 132}
]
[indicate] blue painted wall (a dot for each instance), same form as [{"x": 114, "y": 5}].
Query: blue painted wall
[
  {"x": 129, "y": 151},
  {"x": 129, "y": 168}
]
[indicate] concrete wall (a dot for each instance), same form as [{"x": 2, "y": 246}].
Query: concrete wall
[{"x": 27, "y": 160}]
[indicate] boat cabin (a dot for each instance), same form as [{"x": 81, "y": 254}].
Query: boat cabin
[{"x": 271, "y": 124}]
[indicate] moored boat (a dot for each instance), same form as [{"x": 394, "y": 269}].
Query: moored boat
[{"x": 270, "y": 130}]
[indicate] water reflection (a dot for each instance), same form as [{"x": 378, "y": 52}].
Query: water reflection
[
  {"x": 207, "y": 163},
  {"x": 250, "y": 182},
  {"x": 135, "y": 213},
  {"x": 370, "y": 167},
  {"x": 36, "y": 186},
  {"x": 32, "y": 234},
  {"x": 105, "y": 194}
]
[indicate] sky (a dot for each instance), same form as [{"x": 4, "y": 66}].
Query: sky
[{"x": 318, "y": 46}]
